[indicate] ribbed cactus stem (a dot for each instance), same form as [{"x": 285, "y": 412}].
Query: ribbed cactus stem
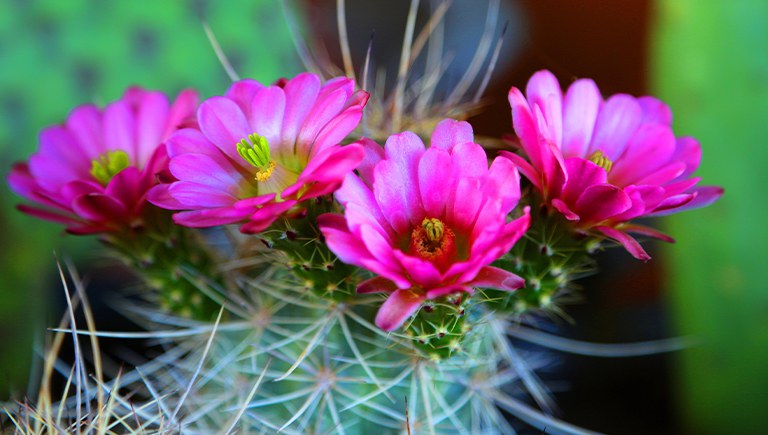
[
  {"x": 549, "y": 257},
  {"x": 439, "y": 327},
  {"x": 174, "y": 262},
  {"x": 318, "y": 269}
]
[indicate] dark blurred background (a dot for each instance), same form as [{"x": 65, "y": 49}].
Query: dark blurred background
[{"x": 708, "y": 60}]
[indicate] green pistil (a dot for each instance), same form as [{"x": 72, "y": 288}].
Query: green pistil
[
  {"x": 108, "y": 165},
  {"x": 599, "y": 158},
  {"x": 434, "y": 228},
  {"x": 255, "y": 150}
]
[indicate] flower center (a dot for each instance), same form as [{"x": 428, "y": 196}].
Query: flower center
[
  {"x": 599, "y": 158},
  {"x": 434, "y": 241},
  {"x": 255, "y": 150},
  {"x": 104, "y": 168}
]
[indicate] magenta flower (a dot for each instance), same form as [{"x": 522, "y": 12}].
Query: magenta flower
[
  {"x": 260, "y": 150},
  {"x": 603, "y": 163},
  {"x": 93, "y": 172},
  {"x": 428, "y": 222}
]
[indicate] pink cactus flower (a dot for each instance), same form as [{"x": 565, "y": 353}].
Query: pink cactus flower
[
  {"x": 93, "y": 172},
  {"x": 602, "y": 163},
  {"x": 428, "y": 222},
  {"x": 261, "y": 150}
]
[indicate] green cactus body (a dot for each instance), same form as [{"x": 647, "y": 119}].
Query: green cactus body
[
  {"x": 176, "y": 264},
  {"x": 549, "y": 257}
]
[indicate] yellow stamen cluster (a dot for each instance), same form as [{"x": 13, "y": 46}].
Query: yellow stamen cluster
[
  {"x": 264, "y": 174},
  {"x": 108, "y": 165},
  {"x": 599, "y": 158}
]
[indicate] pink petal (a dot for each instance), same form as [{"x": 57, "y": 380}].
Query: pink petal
[
  {"x": 325, "y": 109},
  {"x": 161, "y": 197},
  {"x": 600, "y": 202},
  {"x": 493, "y": 277},
  {"x": 433, "y": 186},
  {"x": 421, "y": 272},
  {"x": 242, "y": 93},
  {"x": 704, "y": 196},
  {"x": 543, "y": 90},
  {"x": 211, "y": 217},
  {"x": 202, "y": 169},
  {"x": 447, "y": 290},
  {"x": 629, "y": 243},
  {"x": 398, "y": 307},
  {"x": 563, "y": 209},
  {"x": 48, "y": 215},
  {"x": 337, "y": 129},
  {"x": 224, "y": 124},
  {"x": 647, "y": 150},
  {"x": 396, "y": 184},
  {"x": 119, "y": 130},
  {"x": 664, "y": 174},
  {"x": 266, "y": 119},
  {"x": 327, "y": 170},
  {"x": 582, "y": 104},
  {"x": 647, "y": 231},
  {"x": 348, "y": 248},
  {"x": 469, "y": 160},
  {"x": 644, "y": 199},
  {"x": 181, "y": 112},
  {"x": 193, "y": 195},
  {"x": 674, "y": 202},
  {"x": 376, "y": 285},
  {"x": 462, "y": 208},
  {"x": 374, "y": 153},
  {"x": 128, "y": 187},
  {"x": 100, "y": 208},
  {"x": 655, "y": 111},
  {"x": 300, "y": 95},
  {"x": 524, "y": 167},
  {"x": 379, "y": 247},
  {"x": 582, "y": 174},
  {"x": 84, "y": 123},
  {"x": 687, "y": 151},
  {"x": 450, "y": 132},
  {"x": 151, "y": 117},
  {"x": 59, "y": 159},
  {"x": 617, "y": 121},
  {"x": 526, "y": 127},
  {"x": 264, "y": 216}
]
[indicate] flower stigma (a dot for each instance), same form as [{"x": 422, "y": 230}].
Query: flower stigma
[
  {"x": 433, "y": 241},
  {"x": 599, "y": 158},
  {"x": 434, "y": 228},
  {"x": 255, "y": 150},
  {"x": 109, "y": 164}
]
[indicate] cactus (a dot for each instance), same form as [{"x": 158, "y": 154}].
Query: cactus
[{"x": 294, "y": 347}]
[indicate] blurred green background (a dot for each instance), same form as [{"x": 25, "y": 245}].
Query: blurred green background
[
  {"x": 55, "y": 55},
  {"x": 707, "y": 59}
]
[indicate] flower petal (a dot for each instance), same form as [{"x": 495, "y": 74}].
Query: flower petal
[
  {"x": 543, "y": 90},
  {"x": 493, "y": 277},
  {"x": 629, "y": 243},
  {"x": 398, "y": 307},
  {"x": 449, "y": 133},
  {"x": 376, "y": 285},
  {"x": 224, "y": 124},
  {"x": 433, "y": 187},
  {"x": 582, "y": 104},
  {"x": 617, "y": 121},
  {"x": 600, "y": 202}
]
